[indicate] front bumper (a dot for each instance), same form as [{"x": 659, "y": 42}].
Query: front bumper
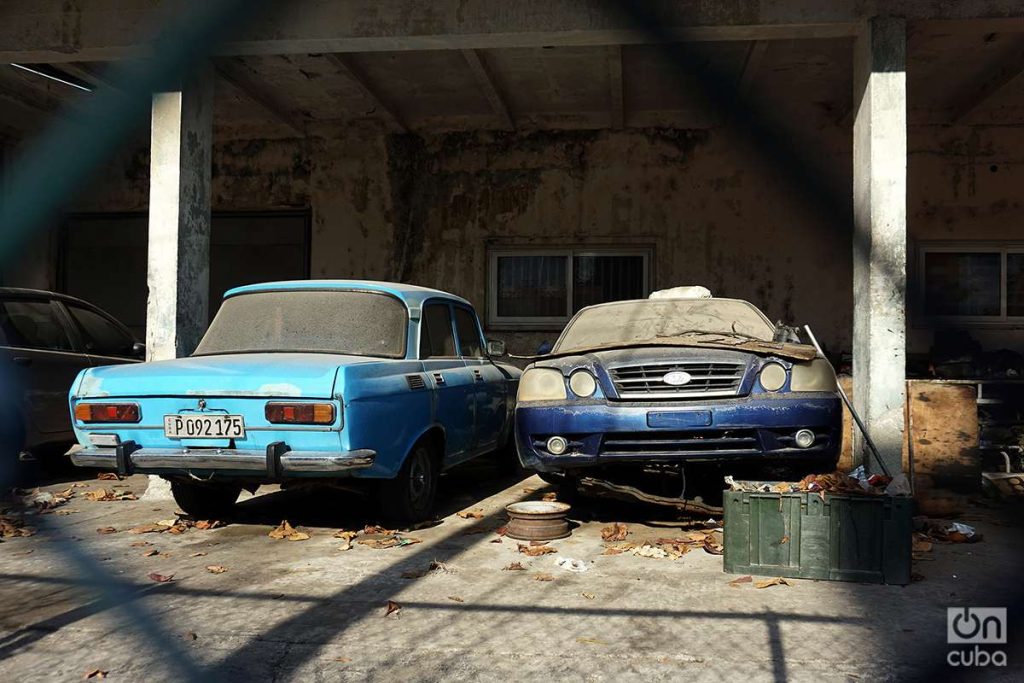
[
  {"x": 758, "y": 429},
  {"x": 277, "y": 462}
]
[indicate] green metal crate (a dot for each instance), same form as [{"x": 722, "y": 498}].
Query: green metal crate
[{"x": 840, "y": 538}]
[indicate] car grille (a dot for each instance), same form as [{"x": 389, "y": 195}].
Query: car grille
[
  {"x": 681, "y": 443},
  {"x": 707, "y": 380}
]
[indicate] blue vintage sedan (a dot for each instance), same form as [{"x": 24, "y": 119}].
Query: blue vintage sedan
[
  {"x": 676, "y": 386},
  {"x": 307, "y": 379}
]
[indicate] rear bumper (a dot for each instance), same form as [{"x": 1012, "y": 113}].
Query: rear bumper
[
  {"x": 600, "y": 433},
  {"x": 277, "y": 462}
]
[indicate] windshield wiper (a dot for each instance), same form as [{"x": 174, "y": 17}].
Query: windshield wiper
[{"x": 718, "y": 334}]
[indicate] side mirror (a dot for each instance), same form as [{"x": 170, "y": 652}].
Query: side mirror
[
  {"x": 496, "y": 348},
  {"x": 139, "y": 350}
]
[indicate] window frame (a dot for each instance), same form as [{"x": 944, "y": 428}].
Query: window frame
[
  {"x": 494, "y": 321},
  {"x": 81, "y": 335},
  {"x": 423, "y": 328},
  {"x": 1001, "y": 248},
  {"x": 480, "y": 340}
]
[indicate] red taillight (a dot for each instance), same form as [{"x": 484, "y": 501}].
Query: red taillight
[
  {"x": 107, "y": 412},
  {"x": 300, "y": 413}
]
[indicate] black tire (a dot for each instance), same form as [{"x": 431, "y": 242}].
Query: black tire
[
  {"x": 410, "y": 496},
  {"x": 205, "y": 501},
  {"x": 553, "y": 478},
  {"x": 507, "y": 459}
]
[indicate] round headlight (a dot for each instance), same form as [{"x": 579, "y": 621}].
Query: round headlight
[
  {"x": 582, "y": 383},
  {"x": 804, "y": 438},
  {"x": 557, "y": 445},
  {"x": 773, "y": 376}
]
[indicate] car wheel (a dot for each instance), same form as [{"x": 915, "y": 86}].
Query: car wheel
[
  {"x": 205, "y": 501},
  {"x": 409, "y": 497}
]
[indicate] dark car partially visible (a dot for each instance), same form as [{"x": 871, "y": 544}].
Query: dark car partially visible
[{"x": 46, "y": 339}]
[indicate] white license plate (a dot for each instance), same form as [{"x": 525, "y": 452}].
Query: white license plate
[{"x": 204, "y": 427}]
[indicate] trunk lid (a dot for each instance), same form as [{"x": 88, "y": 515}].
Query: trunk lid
[{"x": 308, "y": 375}]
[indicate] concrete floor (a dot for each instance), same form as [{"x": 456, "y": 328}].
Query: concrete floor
[{"x": 308, "y": 611}]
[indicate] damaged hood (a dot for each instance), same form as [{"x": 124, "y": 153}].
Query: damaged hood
[
  {"x": 308, "y": 375},
  {"x": 707, "y": 341}
]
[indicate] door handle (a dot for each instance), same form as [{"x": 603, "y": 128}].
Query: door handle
[
  {"x": 478, "y": 376},
  {"x": 22, "y": 360}
]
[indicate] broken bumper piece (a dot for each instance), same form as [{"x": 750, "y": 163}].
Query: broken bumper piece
[{"x": 277, "y": 462}]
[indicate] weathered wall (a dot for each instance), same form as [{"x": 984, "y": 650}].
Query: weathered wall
[{"x": 425, "y": 209}]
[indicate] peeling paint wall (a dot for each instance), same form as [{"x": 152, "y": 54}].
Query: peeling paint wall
[{"x": 426, "y": 209}]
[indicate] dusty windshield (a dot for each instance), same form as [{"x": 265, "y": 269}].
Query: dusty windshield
[
  {"x": 348, "y": 322},
  {"x": 660, "y": 320}
]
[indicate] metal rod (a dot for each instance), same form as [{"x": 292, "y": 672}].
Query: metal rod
[{"x": 849, "y": 404}]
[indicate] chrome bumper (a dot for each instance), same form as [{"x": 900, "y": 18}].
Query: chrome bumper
[{"x": 277, "y": 461}]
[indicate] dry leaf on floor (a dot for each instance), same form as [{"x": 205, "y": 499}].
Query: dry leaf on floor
[
  {"x": 617, "y": 549},
  {"x": 11, "y": 527},
  {"x": 549, "y": 497},
  {"x": 108, "y": 496},
  {"x": 922, "y": 546},
  {"x": 197, "y": 554},
  {"x": 514, "y": 567},
  {"x": 616, "y": 532},
  {"x": 455, "y": 598},
  {"x": 149, "y": 529},
  {"x": 588, "y": 596},
  {"x": 342, "y": 660},
  {"x": 95, "y": 673},
  {"x": 392, "y": 608},
  {"x": 536, "y": 550},
  {"x": 108, "y": 476},
  {"x": 543, "y": 577},
  {"x": 471, "y": 514},
  {"x": 501, "y": 530},
  {"x": 766, "y": 583},
  {"x": 204, "y": 524},
  {"x": 106, "y": 530},
  {"x": 161, "y": 578},
  {"x": 286, "y": 531},
  {"x": 495, "y": 540},
  {"x": 190, "y": 635},
  {"x": 394, "y": 541},
  {"x": 591, "y": 641},
  {"x": 739, "y": 581},
  {"x": 375, "y": 529},
  {"x": 216, "y": 568},
  {"x": 151, "y": 553}
]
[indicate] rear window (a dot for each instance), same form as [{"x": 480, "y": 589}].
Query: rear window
[{"x": 359, "y": 323}]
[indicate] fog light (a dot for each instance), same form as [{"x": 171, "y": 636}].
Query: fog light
[
  {"x": 804, "y": 438},
  {"x": 557, "y": 445}
]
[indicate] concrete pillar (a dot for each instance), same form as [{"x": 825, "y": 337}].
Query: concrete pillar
[
  {"x": 179, "y": 218},
  {"x": 880, "y": 236}
]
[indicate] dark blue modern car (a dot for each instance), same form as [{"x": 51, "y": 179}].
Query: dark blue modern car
[{"x": 656, "y": 384}]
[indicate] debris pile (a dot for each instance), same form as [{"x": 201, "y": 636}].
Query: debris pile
[
  {"x": 709, "y": 540},
  {"x": 942, "y": 531},
  {"x": 840, "y": 483},
  {"x": 13, "y": 527}
]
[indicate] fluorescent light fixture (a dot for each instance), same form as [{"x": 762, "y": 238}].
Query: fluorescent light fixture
[{"x": 54, "y": 74}]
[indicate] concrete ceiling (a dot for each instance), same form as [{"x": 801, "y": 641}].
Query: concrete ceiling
[{"x": 955, "y": 74}]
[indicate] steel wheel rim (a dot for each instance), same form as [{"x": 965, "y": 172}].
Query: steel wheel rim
[{"x": 419, "y": 478}]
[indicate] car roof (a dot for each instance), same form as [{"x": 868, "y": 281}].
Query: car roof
[
  {"x": 37, "y": 293},
  {"x": 412, "y": 295}
]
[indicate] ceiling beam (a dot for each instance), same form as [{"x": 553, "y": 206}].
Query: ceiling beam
[
  {"x": 616, "y": 94},
  {"x": 983, "y": 88},
  {"x": 234, "y": 72},
  {"x": 485, "y": 80},
  {"x": 751, "y": 65},
  {"x": 347, "y": 66},
  {"x": 85, "y": 74}
]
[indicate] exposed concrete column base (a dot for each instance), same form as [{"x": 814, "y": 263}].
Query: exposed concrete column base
[{"x": 880, "y": 238}]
